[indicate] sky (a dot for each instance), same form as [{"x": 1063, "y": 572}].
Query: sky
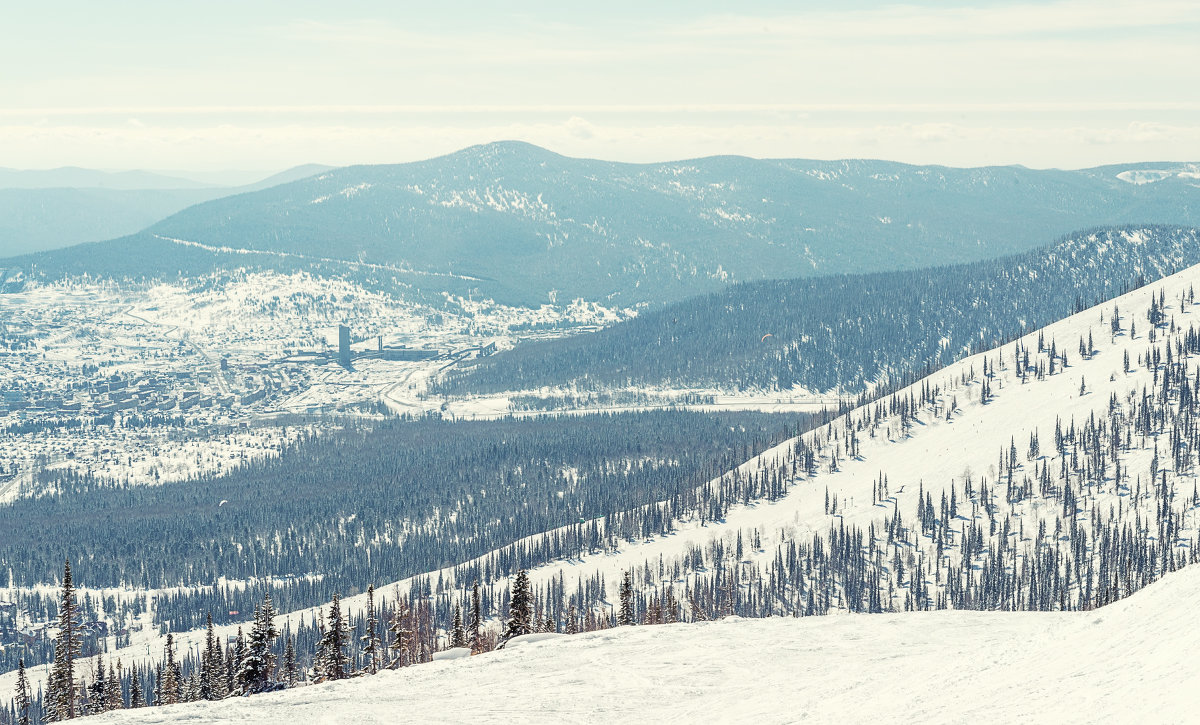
[{"x": 225, "y": 85}]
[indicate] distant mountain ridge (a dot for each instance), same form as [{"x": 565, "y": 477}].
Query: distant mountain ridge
[
  {"x": 55, "y": 208},
  {"x": 532, "y": 226}
]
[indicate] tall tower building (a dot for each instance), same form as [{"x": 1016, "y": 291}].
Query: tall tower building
[{"x": 344, "y": 345}]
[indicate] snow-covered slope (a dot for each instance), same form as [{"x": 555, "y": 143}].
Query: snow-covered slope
[
  {"x": 1129, "y": 662},
  {"x": 947, "y": 433},
  {"x": 955, "y": 436}
]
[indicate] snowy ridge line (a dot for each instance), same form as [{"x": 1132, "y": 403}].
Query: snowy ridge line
[{"x": 329, "y": 260}]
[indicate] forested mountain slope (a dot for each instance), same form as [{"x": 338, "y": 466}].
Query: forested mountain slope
[
  {"x": 528, "y": 226},
  {"x": 843, "y": 332},
  {"x": 1056, "y": 473}
]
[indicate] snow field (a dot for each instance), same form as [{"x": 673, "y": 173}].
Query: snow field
[{"x": 1128, "y": 662}]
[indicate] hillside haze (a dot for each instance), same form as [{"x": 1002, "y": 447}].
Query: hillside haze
[
  {"x": 526, "y": 225},
  {"x": 55, "y": 208}
]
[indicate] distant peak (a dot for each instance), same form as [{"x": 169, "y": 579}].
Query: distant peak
[{"x": 508, "y": 149}]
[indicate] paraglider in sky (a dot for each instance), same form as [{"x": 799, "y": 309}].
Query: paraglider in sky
[
  {"x": 764, "y": 337},
  {"x": 223, "y": 502}
]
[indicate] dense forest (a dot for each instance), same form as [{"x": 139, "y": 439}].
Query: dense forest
[
  {"x": 842, "y": 332},
  {"x": 378, "y": 504}
]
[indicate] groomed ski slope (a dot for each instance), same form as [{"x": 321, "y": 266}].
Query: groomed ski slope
[{"x": 1133, "y": 661}]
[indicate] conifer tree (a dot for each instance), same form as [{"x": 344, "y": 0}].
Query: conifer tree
[
  {"x": 112, "y": 693},
  {"x": 401, "y": 631},
  {"x": 474, "y": 623},
  {"x": 458, "y": 633},
  {"x": 212, "y": 667},
  {"x": 290, "y": 670},
  {"x": 370, "y": 641},
  {"x": 572, "y": 619},
  {"x": 22, "y": 700},
  {"x": 625, "y": 616},
  {"x": 168, "y": 682},
  {"x": 95, "y": 693},
  {"x": 257, "y": 666},
  {"x": 233, "y": 656},
  {"x": 60, "y": 695},
  {"x": 136, "y": 697},
  {"x": 330, "y": 661},
  {"x": 520, "y": 610}
]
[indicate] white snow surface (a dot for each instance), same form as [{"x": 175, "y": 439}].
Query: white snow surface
[
  {"x": 933, "y": 454},
  {"x": 1124, "y": 660},
  {"x": 1129, "y": 662}
]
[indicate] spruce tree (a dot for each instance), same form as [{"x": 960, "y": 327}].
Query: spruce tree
[
  {"x": 475, "y": 622},
  {"x": 112, "y": 693},
  {"x": 168, "y": 682},
  {"x": 136, "y": 697},
  {"x": 22, "y": 700},
  {"x": 60, "y": 695},
  {"x": 626, "y": 616},
  {"x": 370, "y": 641},
  {"x": 95, "y": 693},
  {"x": 233, "y": 657},
  {"x": 401, "y": 631},
  {"x": 458, "y": 634},
  {"x": 330, "y": 661},
  {"x": 520, "y": 610},
  {"x": 290, "y": 670},
  {"x": 211, "y": 664},
  {"x": 257, "y": 666}
]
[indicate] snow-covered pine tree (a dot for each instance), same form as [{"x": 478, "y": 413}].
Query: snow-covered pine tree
[
  {"x": 112, "y": 694},
  {"x": 60, "y": 689},
  {"x": 22, "y": 700},
  {"x": 626, "y": 616},
  {"x": 168, "y": 684},
  {"x": 191, "y": 689},
  {"x": 330, "y": 663},
  {"x": 291, "y": 673},
  {"x": 257, "y": 667},
  {"x": 211, "y": 664},
  {"x": 137, "y": 698},
  {"x": 458, "y": 633},
  {"x": 670, "y": 607},
  {"x": 520, "y": 609},
  {"x": 371, "y": 645},
  {"x": 233, "y": 656},
  {"x": 95, "y": 692},
  {"x": 572, "y": 619},
  {"x": 474, "y": 623}
]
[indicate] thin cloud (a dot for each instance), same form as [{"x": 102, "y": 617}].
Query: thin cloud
[{"x": 954, "y": 24}]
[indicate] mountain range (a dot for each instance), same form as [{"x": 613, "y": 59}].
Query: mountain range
[
  {"x": 56, "y": 208},
  {"x": 524, "y": 225}
]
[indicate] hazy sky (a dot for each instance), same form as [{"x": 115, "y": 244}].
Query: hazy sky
[{"x": 264, "y": 85}]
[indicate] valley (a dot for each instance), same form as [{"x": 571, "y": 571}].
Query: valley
[{"x": 1056, "y": 472}]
